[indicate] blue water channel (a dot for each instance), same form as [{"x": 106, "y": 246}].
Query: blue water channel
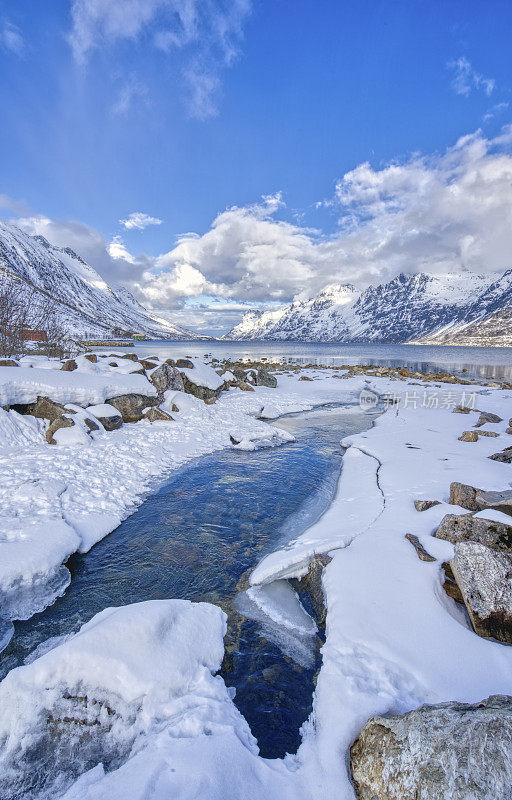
[{"x": 195, "y": 538}]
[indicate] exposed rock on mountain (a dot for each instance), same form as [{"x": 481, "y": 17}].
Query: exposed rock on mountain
[
  {"x": 86, "y": 305},
  {"x": 411, "y": 308}
]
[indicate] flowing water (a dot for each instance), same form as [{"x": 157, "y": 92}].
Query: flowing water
[{"x": 194, "y": 539}]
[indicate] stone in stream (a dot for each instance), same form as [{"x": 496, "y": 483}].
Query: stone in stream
[
  {"x": 450, "y": 751},
  {"x": 166, "y": 377},
  {"x": 486, "y": 416},
  {"x": 461, "y": 494},
  {"x": 484, "y": 577},
  {"x": 131, "y": 406},
  {"x": 465, "y": 527},
  {"x": 500, "y": 501},
  {"x": 424, "y": 505},
  {"x": 422, "y": 554}
]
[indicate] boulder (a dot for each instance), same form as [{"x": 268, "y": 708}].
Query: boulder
[
  {"x": 129, "y": 356},
  {"x": 185, "y": 363},
  {"x": 109, "y": 416},
  {"x": 484, "y": 577},
  {"x": 305, "y": 378},
  {"x": 424, "y": 505},
  {"x": 485, "y": 417},
  {"x": 92, "y": 357},
  {"x": 490, "y": 434},
  {"x": 154, "y": 414},
  {"x": 43, "y": 408},
  {"x": 450, "y": 751},
  {"x": 145, "y": 364},
  {"x": 500, "y": 501},
  {"x": 57, "y": 424},
  {"x": 264, "y": 378},
  {"x": 69, "y": 365},
  {"x": 132, "y": 406},
  {"x": 469, "y": 436},
  {"x": 505, "y": 456},
  {"x": 166, "y": 377},
  {"x": 422, "y": 554},
  {"x": 90, "y": 424},
  {"x": 466, "y": 528},
  {"x": 8, "y": 362},
  {"x": 202, "y": 392},
  {"x": 462, "y": 410},
  {"x": 461, "y": 494}
]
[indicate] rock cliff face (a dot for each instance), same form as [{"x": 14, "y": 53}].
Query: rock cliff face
[
  {"x": 85, "y": 304},
  {"x": 442, "y": 309}
]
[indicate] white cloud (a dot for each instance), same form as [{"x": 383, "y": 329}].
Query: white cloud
[
  {"x": 11, "y": 38},
  {"x": 139, "y": 221},
  {"x": 466, "y": 78},
  {"x": 440, "y": 213},
  {"x": 497, "y": 109},
  {"x": 133, "y": 93},
  {"x": 208, "y": 33}
]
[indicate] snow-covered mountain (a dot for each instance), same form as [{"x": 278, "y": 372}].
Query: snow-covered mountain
[
  {"x": 87, "y": 306},
  {"x": 408, "y": 308}
]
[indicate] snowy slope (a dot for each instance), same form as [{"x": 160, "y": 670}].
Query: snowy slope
[
  {"x": 87, "y": 305},
  {"x": 408, "y": 308}
]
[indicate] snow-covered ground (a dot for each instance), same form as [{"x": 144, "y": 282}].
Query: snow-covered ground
[{"x": 394, "y": 639}]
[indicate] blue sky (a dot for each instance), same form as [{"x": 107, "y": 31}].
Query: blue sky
[{"x": 181, "y": 109}]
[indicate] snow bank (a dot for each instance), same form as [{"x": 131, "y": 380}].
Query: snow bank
[
  {"x": 135, "y": 685},
  {"x": 25, "y": 385}
]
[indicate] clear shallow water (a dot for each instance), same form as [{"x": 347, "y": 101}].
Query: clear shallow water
[
  {"x": 194, "y": 539},
  {"x": 480, "y": 362}
]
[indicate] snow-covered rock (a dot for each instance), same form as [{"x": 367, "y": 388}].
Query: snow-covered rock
[{"x": 450, "y": 751}]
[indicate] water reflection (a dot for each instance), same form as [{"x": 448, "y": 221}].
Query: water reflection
[{"x": 479, "y": 362}]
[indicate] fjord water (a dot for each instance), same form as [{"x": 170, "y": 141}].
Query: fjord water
[
  {"x": 194, "y": 538},
  {"x": 478, "y": 362}
]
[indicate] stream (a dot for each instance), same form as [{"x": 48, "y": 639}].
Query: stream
[{"x": 210, "y": 523}]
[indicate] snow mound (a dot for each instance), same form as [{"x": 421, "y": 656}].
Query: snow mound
[{"x": 129, "y": 674}]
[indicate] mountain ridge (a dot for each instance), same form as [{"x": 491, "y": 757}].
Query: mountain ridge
[{"x": 411, "y": 308}]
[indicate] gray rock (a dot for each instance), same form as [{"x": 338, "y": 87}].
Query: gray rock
[
  {"x": 490, "y": 434},
  {"x": 422, "y": 554},
  {"x": 43, "y": 408},
  {"x": 450, "y": 751},
  {"x": 311, "y": 583},
  {"x": 69, "y": 366},
  {"x": 500, "y": 501},
  {"x": 484, "y": 577},
  {"x": 245, "y": 387},
  {"x": 92, "y": 357},
  {"x": 147, "y": 364},
  {"x": 461, "y": 494},
  {"x": 202, "y": 392},
  {"x": 185, "y": 363},
  {"x": 485, "y": 416},
  {"x": 155, "y": 414},
  {"x": 131, "y": 406},
  {"x": 466, "y": 528},
  {"x": 129, "y": 356},
  {"x": 424, "y": 505},
  {"x": 112, "y": 422},
  {"x": 57, "y": 424},
  {"x": 264, "y": 378},
  {"x": 166, "y": 377}
]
